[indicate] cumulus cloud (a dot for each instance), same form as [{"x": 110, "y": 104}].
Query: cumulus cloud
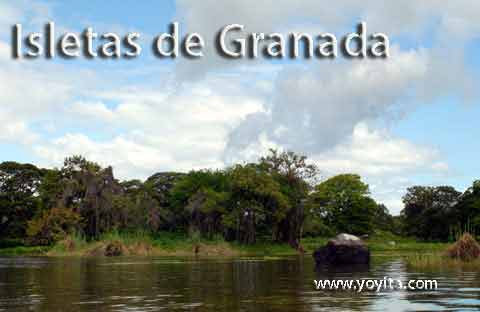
[
  {"x": 161, "y": 130},
  {"x": 212, "y": 112},
  {"x": 121, "y": 152},
  {"x": 15, "y": 130},
  {"x": 376, "y": 153},
  {"x": 31, "y": 14},
  {"x": 385, "y": 162},
  {"x": 314, "y": 110},
  {"x": 35, "y": 94},
  {"x": 314, "y": 107}
]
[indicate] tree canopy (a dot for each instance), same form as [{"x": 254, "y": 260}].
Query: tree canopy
[
  {"x": 278, "y": 198},
  {"x": 344, "y": 204}
]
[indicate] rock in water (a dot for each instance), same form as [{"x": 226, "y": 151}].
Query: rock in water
[
  {"x": 114, "y": 249},
  {"x": 343, "y": 249}
]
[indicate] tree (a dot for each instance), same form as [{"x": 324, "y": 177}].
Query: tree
[
  {"x": 88, "y": 189},
  {"x": 158, "y": 192},
  {"x": 256, "y": 203},
  {"x": 19, "y": 197},
  {"x": 468, "y": 209},
  {"x": 382, "y": 218},
  {"x": 53, "y": 225},
  {"x": 343, "y": 203},
  {"x": 430, "y": 212},
  {"x": 199, "y": 199},
  {"x": 50, "y": 189},
  {"x": 295, "y": 177}
]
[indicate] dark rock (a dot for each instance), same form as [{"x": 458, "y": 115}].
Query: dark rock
[
  {"x": 343, "y": 249},
  {"x": 114, "y": 249}
]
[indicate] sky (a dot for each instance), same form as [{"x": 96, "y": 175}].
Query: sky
[{"x": 411, "y": 119}]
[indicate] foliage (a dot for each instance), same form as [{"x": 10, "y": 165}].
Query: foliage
[
  {"x": 316, "y": 227},
  {"x": 50, "y": 189},
  {"x": 383, "y": 220},
  {"x": 19, "y": 202},
  {"x": 199, "y": 199},
  {"x": 89, "y": 190},
  {"x": 430, "y": 212},
  {"x": 276, "y": 199},
  {"x": 137, "y": 207},
  {"x": 53, "y": 225},
  {"x": 468, "y": 209},
  {"x": 343, "y": 202},
  {"x": 256, "y": 204},
  {"x": 296, "y": 178}
]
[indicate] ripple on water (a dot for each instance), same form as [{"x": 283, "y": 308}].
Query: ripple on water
[{"x": 250, "y": 284}]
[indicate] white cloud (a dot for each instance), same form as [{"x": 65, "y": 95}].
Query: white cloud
[
  {"x": 34, "y": 94},
  {"x": 375, "y": 153},
  {"x": 28, "y": 13},
  {"x": 92, "y": 110},
  {"x": 232, "y": 111},
  {"x": 162, "y": 131},
  {"x": 317, "y": 109},
  {"x": 10, "y": 14},
  {"x": 4, "y": 51},
  {"x": 126, "y": 155},
  {"x": 385, "y": 162},
  {"x": 14, "y": 130}
]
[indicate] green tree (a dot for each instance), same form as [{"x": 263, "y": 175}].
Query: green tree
[
  {"x": 145, "y": 205},
  {"x": 199, "y": 199},
  {"x": 295, "y": 176},
  {"x": 343, "y": 203},
  {"x": 468, "y": 209},
  {"x": 382, "y": 218},
  {"x": 430, "y": 212},
  {"x": 89, "y": 190},
  {"x": 53, "y": 225},
  {"x": 256, "y": 204},
  {"x": 19, "y": 197}
]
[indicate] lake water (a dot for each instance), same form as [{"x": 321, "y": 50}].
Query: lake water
[{"x": 239, "y": 284}]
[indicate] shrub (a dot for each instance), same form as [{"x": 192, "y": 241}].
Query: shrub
[
  {"x": 52, "y": 226},
  {"x": 466, "y": 248}
]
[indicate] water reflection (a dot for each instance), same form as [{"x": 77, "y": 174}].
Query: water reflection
[{"x": 244, "y": 284}]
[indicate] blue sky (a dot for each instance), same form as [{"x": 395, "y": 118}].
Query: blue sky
[{"x": 410, "y": 119}]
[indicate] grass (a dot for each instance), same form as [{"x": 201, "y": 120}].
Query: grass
[
  {"x": 24, "y": 251},
  {"x": 464, "y": 254},
  {"x": 179, "y": 244},
  {"x": 384, "y": 242},
  {"x": 425, "y": 256},
  {"x": 440, "y": 262},
  {"x": 266, "y": 249},
  {"x": 144, "y": 244}
]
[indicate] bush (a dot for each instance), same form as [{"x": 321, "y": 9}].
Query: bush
[
  {"x": 466, "y": 248},
  {"x": 52, "y": 226}
]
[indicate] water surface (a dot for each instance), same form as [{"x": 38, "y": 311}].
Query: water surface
[{"x": 239, "y": 284}]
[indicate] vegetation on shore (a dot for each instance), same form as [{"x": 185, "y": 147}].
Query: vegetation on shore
[
  {"x": 277, "y": 205},
  {"x": 174, "y": 244},
  {"x": 276, "y": 199},
  {"x": 438, "y": 262},
  {"x": 463, "y": 254}
]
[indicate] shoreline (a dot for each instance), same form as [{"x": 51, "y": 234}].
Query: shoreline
[{"x": 144, "y": 246}]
